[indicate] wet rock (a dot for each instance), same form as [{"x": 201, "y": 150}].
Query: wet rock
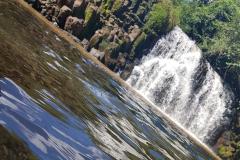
[
  {"x": 64, "y": 12},
  {"x": 74, "y": 25}
]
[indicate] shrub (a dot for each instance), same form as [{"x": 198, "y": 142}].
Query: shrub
[{"x": 163, "y": 17}]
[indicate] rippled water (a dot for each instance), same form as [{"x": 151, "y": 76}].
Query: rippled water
[{"x": 64, "y": 107}]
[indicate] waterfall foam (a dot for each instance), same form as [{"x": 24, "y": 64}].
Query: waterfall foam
[{"x": 175, "y": 77}]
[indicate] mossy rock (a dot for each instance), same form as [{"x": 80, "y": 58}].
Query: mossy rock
[
  {"x": 103, "y": 45},
  {"x": 137, "y": 45},
  {"x": 113, "y": 50},
  {"x": 116, "y": 5},
  {"x": 106, "y": 7},
  {"x": 91, "y": 21},
  {"x": 226, "y": 152},
  {"x": 89, "y": 13}
]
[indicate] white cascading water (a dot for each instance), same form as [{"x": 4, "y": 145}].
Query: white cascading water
[{"x": 176, "y": 78}]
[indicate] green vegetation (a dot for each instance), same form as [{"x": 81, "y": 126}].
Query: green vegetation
[
  {"x": 230, "y": 148},
  {"x": 226, "y": 151},
  {"x": 163, "y": 17},
  {"x": 106, "y": 6},
  {"x": 88, "y": 14},
  {"x": 215, "y": 26},
  {"x": 116, "y": 5}
]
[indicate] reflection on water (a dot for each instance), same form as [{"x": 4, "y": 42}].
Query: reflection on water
[
  {"x": 47, "y": 135},
  {"x": 64, "y": 107}
]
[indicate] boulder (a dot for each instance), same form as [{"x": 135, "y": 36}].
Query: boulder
[
  {"x": 113, "y": 35},
  {"x": 50, "y": 11},
  {"x": 120, "y": 34},
  {"x": 85, "y": 43},
  {"x": 95, "y": 39},
  {"x": 79, "y": 7},
  {"x": 74, "y": 25},
  {"x": 64, "y": 12},
  {"x": 99, "y": 36},
  {"x": 98, "y": 54},
  {"x": 135, "y": 31}
]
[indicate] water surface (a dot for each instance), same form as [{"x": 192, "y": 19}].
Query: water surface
[{"x": 63, "y": 106}]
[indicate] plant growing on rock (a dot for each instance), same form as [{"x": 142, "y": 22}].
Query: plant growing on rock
[{"x": 162, "y": 18}]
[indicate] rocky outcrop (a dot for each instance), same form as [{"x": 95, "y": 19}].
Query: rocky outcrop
[
  {"x": 134, "y": 32},
  {"x": 91, "y": 20},
  {"x": 74, "y": 25},
  {"x": 112, "y": 30},
  {"x": 64, "y": 12}
]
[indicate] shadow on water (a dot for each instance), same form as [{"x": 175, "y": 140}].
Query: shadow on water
[{"x": 64, "y": 107}]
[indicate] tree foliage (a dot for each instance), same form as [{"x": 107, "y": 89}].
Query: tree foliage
[
  {"x": 163, "y": 17},
  {"x": 215, "y": 26}
]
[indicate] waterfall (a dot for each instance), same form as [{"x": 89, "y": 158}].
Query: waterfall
[{"x": 176, "y": 78}]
